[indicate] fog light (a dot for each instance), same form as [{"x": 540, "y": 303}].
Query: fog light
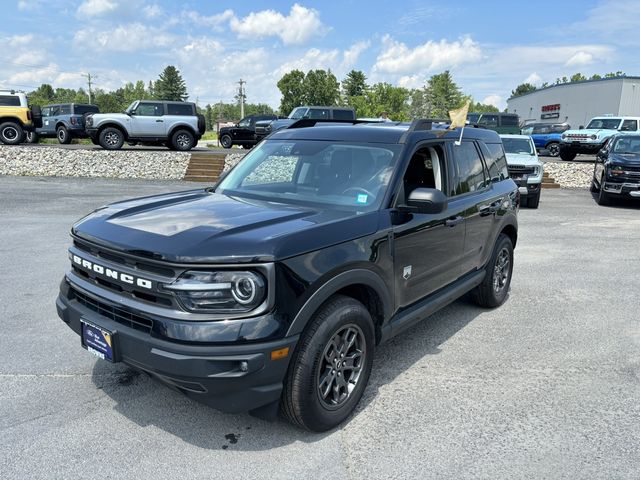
[{"x": 244, "y": 366}]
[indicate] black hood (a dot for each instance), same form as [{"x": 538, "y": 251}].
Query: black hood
[
  {"x": 632, "y": 159},
  {"x": 205, "y": 227}
]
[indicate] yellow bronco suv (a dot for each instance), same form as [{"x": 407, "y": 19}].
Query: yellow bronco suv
[{"x": 16, "y": 117}]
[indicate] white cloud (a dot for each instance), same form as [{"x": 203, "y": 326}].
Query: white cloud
[
  {"x": 351, "y": 55},
  {"x": 19, "y": 40},
  {"x": 397, "y": 57},
  {"x": 299, "y": 26},
  {"x": 125, "y": 38},
  {"x": 411, "y": 81},
  {"x": 29, "y": 5},
  {"x": 108, "y": 8},
  {"x": 495, "y": 100},
  {"x": 153, "y": 11},
  {"x": 580, "y": 59},
  {"x": 209, "y": 21},
  {"x": 533, "y": 79}
]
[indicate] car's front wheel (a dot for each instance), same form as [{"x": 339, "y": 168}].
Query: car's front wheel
[
  {"x": 225, "y": 141},
  {"x": 493, "y": 290},
  {"x": 111, "y": 138},
  {"x": 331, "y": 366},
  {"x": 11, "y": 133},
  {"x": 553, "y": 149},
  {"x": 603, "y": 197}
]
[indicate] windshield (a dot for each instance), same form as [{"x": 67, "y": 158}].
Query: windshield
[
  {"x": 527, "y": 131},
  {"x": 132, "y": 107},
  {"x": 320, "y": 173},
  {"x": 298, "y": 113},
  {"x": 604, "y": 123},
  {"x": 627, "y": 145},
  {"x": 518, "y": 145}
]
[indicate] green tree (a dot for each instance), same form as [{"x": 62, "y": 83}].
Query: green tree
[
  {"x": 292, "y": 89},
  {"x": 443, "y": 94},
  {"x": 595, "y": 76},
  {"x": 577, "y": 77},
  {"x": 354, "y": 84},
  {"x": 170, "y": 85},
  {"x": 478, "y": 107},
  {"x": 321, "y": 87},
  {"x": 522, "y": 89},
  {"x": 614, "y": 74}
]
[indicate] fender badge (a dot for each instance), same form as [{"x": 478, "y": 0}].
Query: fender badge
[{"x": 406, "y": 273}]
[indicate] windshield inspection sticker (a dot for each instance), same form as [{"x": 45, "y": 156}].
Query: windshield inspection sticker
[{"x": 362, "y": 198}]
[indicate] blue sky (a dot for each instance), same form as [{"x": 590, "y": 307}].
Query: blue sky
[{"x": 489, "y": 46}]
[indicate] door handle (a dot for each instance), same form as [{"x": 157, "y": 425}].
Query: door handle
[
  {"x": 490, "y": 209},
  {"x": 159, "y": 121},
  {"x": 453, "y": 221}
]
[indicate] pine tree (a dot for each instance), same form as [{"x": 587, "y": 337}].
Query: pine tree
[{"x": 170, "y": 85}]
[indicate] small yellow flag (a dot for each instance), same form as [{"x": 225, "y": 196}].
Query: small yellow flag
[{"x": 459, "y": 116}]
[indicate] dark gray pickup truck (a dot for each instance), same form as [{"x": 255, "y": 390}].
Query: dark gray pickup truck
[{"x": 266, "y": 127}]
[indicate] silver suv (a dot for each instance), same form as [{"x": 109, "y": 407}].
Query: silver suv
[{"x": 177, "y": 125}]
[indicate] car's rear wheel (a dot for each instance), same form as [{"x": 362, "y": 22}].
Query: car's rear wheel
[
  {"x": 331, "y": 366},
  {"x": 493, "y": 290},
  {"x": 111, "y": 138},
  {"x": 183, "y": 140},
  {"x": 567, "y": 156},
  {"x": 553, "y": 149},
  {"x": 225, "y": 141},
  {"x": 32, "y": 137},
  {"x": 11, "y": 133},
  {"x": 63, "y": 135}
]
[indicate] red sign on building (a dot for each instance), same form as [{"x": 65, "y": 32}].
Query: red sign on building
[{"x": 551, "y": 108}]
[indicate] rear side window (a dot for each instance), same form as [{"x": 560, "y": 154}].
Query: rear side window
[
  {"x": 9, "y": 101},
  {"x": 343, "y": 115},
  {"x": 179, "y": 109},
  {"x": 65, "y": 110},
  {"x": 469, "y": 168},
  {"x": 82, "y": 109},
  {"x": 509, "y": 120},
  {"x": 629, "y": 126},
  {"x": 496, "y": 161}
]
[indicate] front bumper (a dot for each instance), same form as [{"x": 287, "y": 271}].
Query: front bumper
[
  {"x": 231, "y": 377},
  {"x": 580, "y": 147},
  {"x": 622, "y": 188},
  {"x": 528, "y": 189}
]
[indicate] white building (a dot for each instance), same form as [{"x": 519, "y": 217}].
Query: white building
[{"x": 576, "y": 103}]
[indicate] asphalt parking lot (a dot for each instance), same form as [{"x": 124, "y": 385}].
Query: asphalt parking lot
[{"x": 547, "y": 386}]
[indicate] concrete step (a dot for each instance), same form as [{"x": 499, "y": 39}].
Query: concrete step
[
  {"x": 548, "y": 180},
  {"x": 204, "y": 171},
  {"x": 550, "y": 185},
  {"x": 200, "y": 178}
]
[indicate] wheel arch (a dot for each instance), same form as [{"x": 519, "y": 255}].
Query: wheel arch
[
  {"x": 113, "y": 125},
  {"x": 182, "y": 126},
  {"x": 12, "y": 120},
  {"x": 512, "y": 232},
  {"x": 363, "y": 285}
]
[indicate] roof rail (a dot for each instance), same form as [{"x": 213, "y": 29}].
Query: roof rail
[
  {"x": 311, "y": 122},
  {"x": 421, "y": 124}
]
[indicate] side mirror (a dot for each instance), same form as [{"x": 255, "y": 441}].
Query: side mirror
[
  {"x": 581, "y": 127},
  {"x": 602, "y": 155},
  {"x": 426, "y": 200}
]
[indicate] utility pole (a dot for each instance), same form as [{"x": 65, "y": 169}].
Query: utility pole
[
  {"x": 241, "y": 96},
  {"x": 88, "y": 77}
]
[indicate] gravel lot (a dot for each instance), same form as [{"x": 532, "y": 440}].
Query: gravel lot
[{"x": 548, "y": 386}]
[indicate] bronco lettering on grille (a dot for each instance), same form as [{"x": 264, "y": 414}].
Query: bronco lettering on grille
[{"x": 109, "y": 273}]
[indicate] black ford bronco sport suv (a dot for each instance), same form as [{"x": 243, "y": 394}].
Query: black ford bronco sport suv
[{"x": 272, "y": 289}]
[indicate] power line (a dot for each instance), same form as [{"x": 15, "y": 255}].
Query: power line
[{"x": 38, "y": 67}]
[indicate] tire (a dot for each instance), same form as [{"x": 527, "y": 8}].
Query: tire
[
  {"x": 567, "y": 156},
  {"x": 95, "y": 141},
  {"x": 494, "y": 289},
  {"x": 533, "y": 201},
  {"x": 310, "y": 399},
  {"x": 11, "y": 133},
  {"x": 36, "y": 116},
  {"x": 553, "y": 149},
  {"x": 226, "y": 141},
  {"x": 603, "y": 197},
  {"x": 183, "y": 140},
  {"x": 64, "y": 138},
  {"x": 592, "y": 187},
  {"x": 32, "y": 137},
  {"x": 246, "y": 146},
  {"x": 111, "y": 138}
]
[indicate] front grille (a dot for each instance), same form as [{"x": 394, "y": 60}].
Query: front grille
[
  {"x": 521, "y": 170},
  {"x": 117, "y": 314}
]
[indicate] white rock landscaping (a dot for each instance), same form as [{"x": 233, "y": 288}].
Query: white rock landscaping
[
  {"x": 569, "y": 174},
  {"x": 59, "y": 162}
]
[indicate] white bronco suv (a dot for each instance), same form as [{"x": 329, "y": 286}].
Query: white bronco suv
[
  {"x": 525, "y": 168},
  {"x": 178, "y": 125},
  {"x": 591, "y": 139}
]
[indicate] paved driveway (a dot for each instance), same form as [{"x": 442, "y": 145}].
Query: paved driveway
[{"x": 548, "y": 386}]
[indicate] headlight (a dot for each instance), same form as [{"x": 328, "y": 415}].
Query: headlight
[
  {"x": 564, "y": 137},
  {"x": 616, "y": 170},
  {"x": 220, "y": 292},
  {"x": 594, "y": 137}
]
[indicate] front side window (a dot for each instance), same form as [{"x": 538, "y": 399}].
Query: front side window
[
  {"x": 518, "y": 146},
  {"x": 149, "y": 110},
  {"x": 489, "y": 120},
  {"x": 629, "y": 126},
  {"x": 604, "y": 124},
  {"x": 425, "y": 170},
  {"x": 323, "y": 174},
  {"x": 469, "y": 168},
  {"x": 298, "y": 113},
  {"x": 245, "y": 122}
]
